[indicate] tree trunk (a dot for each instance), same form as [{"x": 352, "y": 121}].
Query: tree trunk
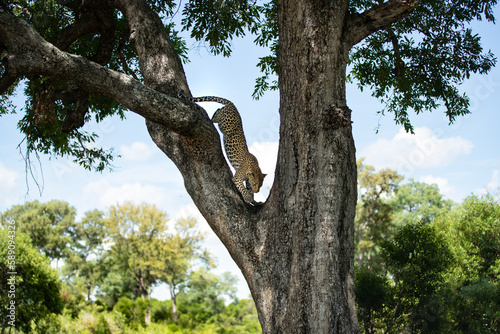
[
  {"x": 297, "y": 250},
  {"x": 308, "y": 255},
  {"x": 173, "y": 297},
  {"x": 147, "y": 313}
]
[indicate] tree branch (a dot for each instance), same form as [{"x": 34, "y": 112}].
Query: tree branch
[
  {"x": 399, "y": 64},
  {"x": 30, "y": 54},
  {"x": 158, "y": 61},
  {"x": 207, "y": 177},
  {"x": 85, "y": 25},
  {"x": 5, "y": 82},
  {"x": 360, "y": 26},
  {"x": 180, "y": 129}
]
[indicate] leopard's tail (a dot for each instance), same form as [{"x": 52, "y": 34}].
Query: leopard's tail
[
  {"x": 218, "y": 116},
  {"x": 212, "y": 99}
]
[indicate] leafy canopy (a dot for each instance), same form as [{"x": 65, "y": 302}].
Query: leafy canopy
[
  {"x": 415, "y": 64},
  {"x": 37, "y": 286}
]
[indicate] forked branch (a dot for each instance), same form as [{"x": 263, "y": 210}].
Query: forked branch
[{"x": 360, "y": 26}]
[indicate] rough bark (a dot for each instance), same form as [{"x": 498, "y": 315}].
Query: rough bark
[{"x": 297, "y": 250}]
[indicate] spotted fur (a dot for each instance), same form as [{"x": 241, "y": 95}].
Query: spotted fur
[{"x": 245, "y": 164}]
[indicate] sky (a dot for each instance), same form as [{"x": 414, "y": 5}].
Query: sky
[{"x": 462, "y": 158}]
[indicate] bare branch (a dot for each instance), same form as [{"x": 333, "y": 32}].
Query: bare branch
[{"x": 359, "y": 26}]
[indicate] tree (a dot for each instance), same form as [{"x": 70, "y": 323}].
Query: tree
[
  {"x": 211, "y": 287},
  {"x": 418, "y": 201},
  {"x": 297, "y": 250},
  {"x": 138, "y": 234},
  {"x": 373, "y": 212},
  {"x": 51, "y": 226},
  {"x": 416, "y": 260},
  {"x": 473, "y": 233},
  {"x": 439, "y": 275},
  {"x": 32, "y": 293},
  {"x": 85, "y": 264},
  {"x": 179, "y": 252}
]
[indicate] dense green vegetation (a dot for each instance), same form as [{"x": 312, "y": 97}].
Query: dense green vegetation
[
  {"x": 108, "y": 264},
  {"x": 424, "y": 265}
]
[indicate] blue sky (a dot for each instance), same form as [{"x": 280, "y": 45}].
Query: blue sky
[{"x": 462, "y": 158}]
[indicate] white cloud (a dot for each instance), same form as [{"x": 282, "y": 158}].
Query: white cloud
[
  {"x": 106, "y": 194},
  {"x": 493, "y": 186},
  {"x": 267, "y": 155},
  {"x": 407, "y": 152},
  {"x": 444, "y": 187},
  {"x": 495, "y": 180},
  {"x": 138, "y": 151}
]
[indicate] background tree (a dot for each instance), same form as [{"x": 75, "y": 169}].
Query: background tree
[
  {"x": 85, "y": 264},
  {"x": 373, "y": 212},
  {"x": 179, "y": 252},
  {"x": 51, "y": 226},
  {"x": 37, "y": 286},
  {"x": 138, "y": 234},
  {"x": 418, "y": 258},
  {"x": 473, "y": 231},
  {"x": 297, "y": 250},
  {"x": 437, "y": 276},
  {"x": 418, "y": 201},
  {"x": 211, "y": 288}
]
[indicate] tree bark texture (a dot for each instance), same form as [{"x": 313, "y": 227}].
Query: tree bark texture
[{"x": 296, "y": 251}]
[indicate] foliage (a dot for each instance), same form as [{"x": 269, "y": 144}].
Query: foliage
[
  {"x": 205, "y": 293},
  {"x": 137, "y": 234},
  {"x": 205, "y": 18},
  {"x": 373, "y": 212},
  {"x": 439, "y": 272},
  {"x": 33, "y": 291},
  {"x": 50, "y": 226},
  {"x": 85, "y": 265},
  {"x": 473, "y": 230},
  {"x": 93, "y": 320},
  {"x": 179, "y": 252},
  {"x": 96, "y": 269},
  {"x": 54, "y": 112},
  {"x": 133, "y": 310},
  {"x": 373, "y": 293},
  {"x": 416, "y": 259},
  {"x": 416, "y": 63},
  {"x": 418, "y": 201}
]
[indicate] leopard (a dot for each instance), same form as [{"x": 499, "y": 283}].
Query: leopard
[{"x": 248, "y": 176}]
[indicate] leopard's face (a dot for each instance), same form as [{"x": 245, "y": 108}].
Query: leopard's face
[{"x": 255, "y": 177}]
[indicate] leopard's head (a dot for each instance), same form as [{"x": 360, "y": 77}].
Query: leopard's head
[{"x": 255, "y": 178}]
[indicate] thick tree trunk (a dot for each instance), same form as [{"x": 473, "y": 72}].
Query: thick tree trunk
[
  {"x": 297, "y": 250},
  {"x": 308, "y": 258}
]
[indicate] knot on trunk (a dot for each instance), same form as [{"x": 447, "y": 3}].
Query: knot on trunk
[{"x": 336, "y": 117}]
